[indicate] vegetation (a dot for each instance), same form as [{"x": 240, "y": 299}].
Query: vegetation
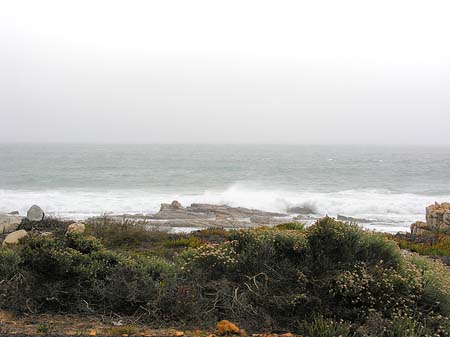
[
  {"x": 432, "y": 244},
  {"x": 331, "y": 279}
]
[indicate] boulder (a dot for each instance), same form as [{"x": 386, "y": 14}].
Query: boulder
[
  {"x": 14, "y": 237},
  {"x": 35, "y": 213},
  {"x": 419, "y": 228},
  {"x": 438, "y": 216},
  {"x": 9, "y": 223},
  {"x": 176, "y": 205},
  {"x": 76, "y": 227}
]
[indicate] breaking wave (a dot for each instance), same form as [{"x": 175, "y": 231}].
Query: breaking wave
[{"x": 384, "y": 207}]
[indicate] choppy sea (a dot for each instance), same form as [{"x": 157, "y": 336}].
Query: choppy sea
[{"x": 388, "y": 185}]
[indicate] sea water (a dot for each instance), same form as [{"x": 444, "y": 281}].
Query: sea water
[{"x": 388, "y": 185}]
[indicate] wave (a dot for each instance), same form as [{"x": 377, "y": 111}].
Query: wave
[{"x": 377, "y": 205}]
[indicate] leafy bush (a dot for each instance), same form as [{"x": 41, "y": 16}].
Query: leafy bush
[
  {"x": 335, "y": 245},
  {"x": 9, "y": 264},
  {"x": 330, "y": 279},
  {"x": 294, "y": 226},
  {"x": 431, "y": 244},
  {"x": 76, "y": 273},
  {"x": 124, "y": 234},
  {"x": 321, "y": 327},
  {"x": 191, "y": 242}
]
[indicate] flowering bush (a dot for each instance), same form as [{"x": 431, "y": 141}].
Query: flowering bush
[
  {"x": 330, "y": 279},
  {"x": 211, "y": 260}
]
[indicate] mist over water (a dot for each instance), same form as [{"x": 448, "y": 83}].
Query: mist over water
[{"x": 389, "y": 185}]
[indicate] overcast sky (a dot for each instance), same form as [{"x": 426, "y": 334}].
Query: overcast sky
[{"x": 307, "y": 72}]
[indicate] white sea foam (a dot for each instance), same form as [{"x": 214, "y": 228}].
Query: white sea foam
[{"x": 388, "y": 211}]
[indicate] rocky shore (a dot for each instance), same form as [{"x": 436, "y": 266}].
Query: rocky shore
[
  {"x": 437, "y": 219},
  {"x": 178, "y": 218},
  {"x": 209, "y": 215}
]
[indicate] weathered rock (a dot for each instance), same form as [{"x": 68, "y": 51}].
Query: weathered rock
[
  {"x": 234, "y": 212},
  {"x": 419, "y": 228},
  {"x": 438, "y": 216},
  {"x": 35, "y": 213},
  {"x": 14, "y": 237},
  {"x": 76, "y": 227},
  {"x": 9, "y": 223},
  {"x": 208, "y": 215}
]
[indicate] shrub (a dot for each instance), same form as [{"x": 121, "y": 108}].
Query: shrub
[
  {"x": 365, "y": 289},
  {"x": 124, "y": 234},
  {"x": 328, "y": 280},
  {"x": 335, "y": 245},
  {"x": 211, "y": 261},
  {"x": 295, "y": 226},
  {"x": 436, "y": 283},
  {"x": 9, "y": 264},
  {"x": 191, "y": 242},
  {"x": 212, "y": 235},
  {"x": 322, "y": 327}
]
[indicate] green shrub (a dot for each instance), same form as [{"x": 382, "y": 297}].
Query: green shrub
[
  {"x": 322, "y": 327},
  {"x": 335, "y": 245},
  {"x": 295, "y": 226},
  {"x": 9, "y": 264},
  {"x": 212, "y": 235},
  {"x": 330, "y": 279},
  {"x": 406, "y": 326},
  {"x": 436, "y": 281},
  {"x": 210, "y": 261},
  {"x": 364, "y": 289},
  {"x": 124, "y": 234},
  {"x": 432, "y": 244},
  {"x": 191, "y": 242}
]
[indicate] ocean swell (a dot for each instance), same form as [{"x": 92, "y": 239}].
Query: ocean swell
[{"x": 376, "y": 205}]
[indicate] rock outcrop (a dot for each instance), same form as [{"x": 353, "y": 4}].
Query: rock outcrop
[
  {"x": 419, "y": 228},
  {"x": 35, "y": 213},
  {"x": 208, "y": 215},
  {"x": 9, "y": 223},
  {"x": 438, "y": 215},
  {"x": 437, "y": 219},
  {"x": 14, "y": 237}
]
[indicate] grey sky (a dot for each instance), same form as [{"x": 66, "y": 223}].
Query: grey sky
[{"x": 225, "y": 71}]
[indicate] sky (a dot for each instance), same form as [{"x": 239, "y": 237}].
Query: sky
[{"x": 280, "y": 72}]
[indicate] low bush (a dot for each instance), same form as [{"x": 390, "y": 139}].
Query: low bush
[
  {"x": 431, "y": 244},
  {"x": 76, "y": 273},
  {"x": 191, "y": 242},
  {"x": 117, "y": 234},
  {"x": 330, "y": 279},
  {"x": 294, "y": 226}
]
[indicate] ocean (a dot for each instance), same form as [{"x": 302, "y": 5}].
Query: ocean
[{"x": 388, "y": 185}]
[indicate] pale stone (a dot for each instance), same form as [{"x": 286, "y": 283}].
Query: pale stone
[
  {"x": 14, "y": 237},
  {"x": 419, "y": 228},
  {"x": 35, "y": 213},
  {"x": 9, "y": 223}
]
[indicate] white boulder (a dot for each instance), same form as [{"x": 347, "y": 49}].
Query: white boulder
[
  {"x": 9, "y": 223},
  {"x": 14, "y": 237},
  {"x": 35, "y": 213}
]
